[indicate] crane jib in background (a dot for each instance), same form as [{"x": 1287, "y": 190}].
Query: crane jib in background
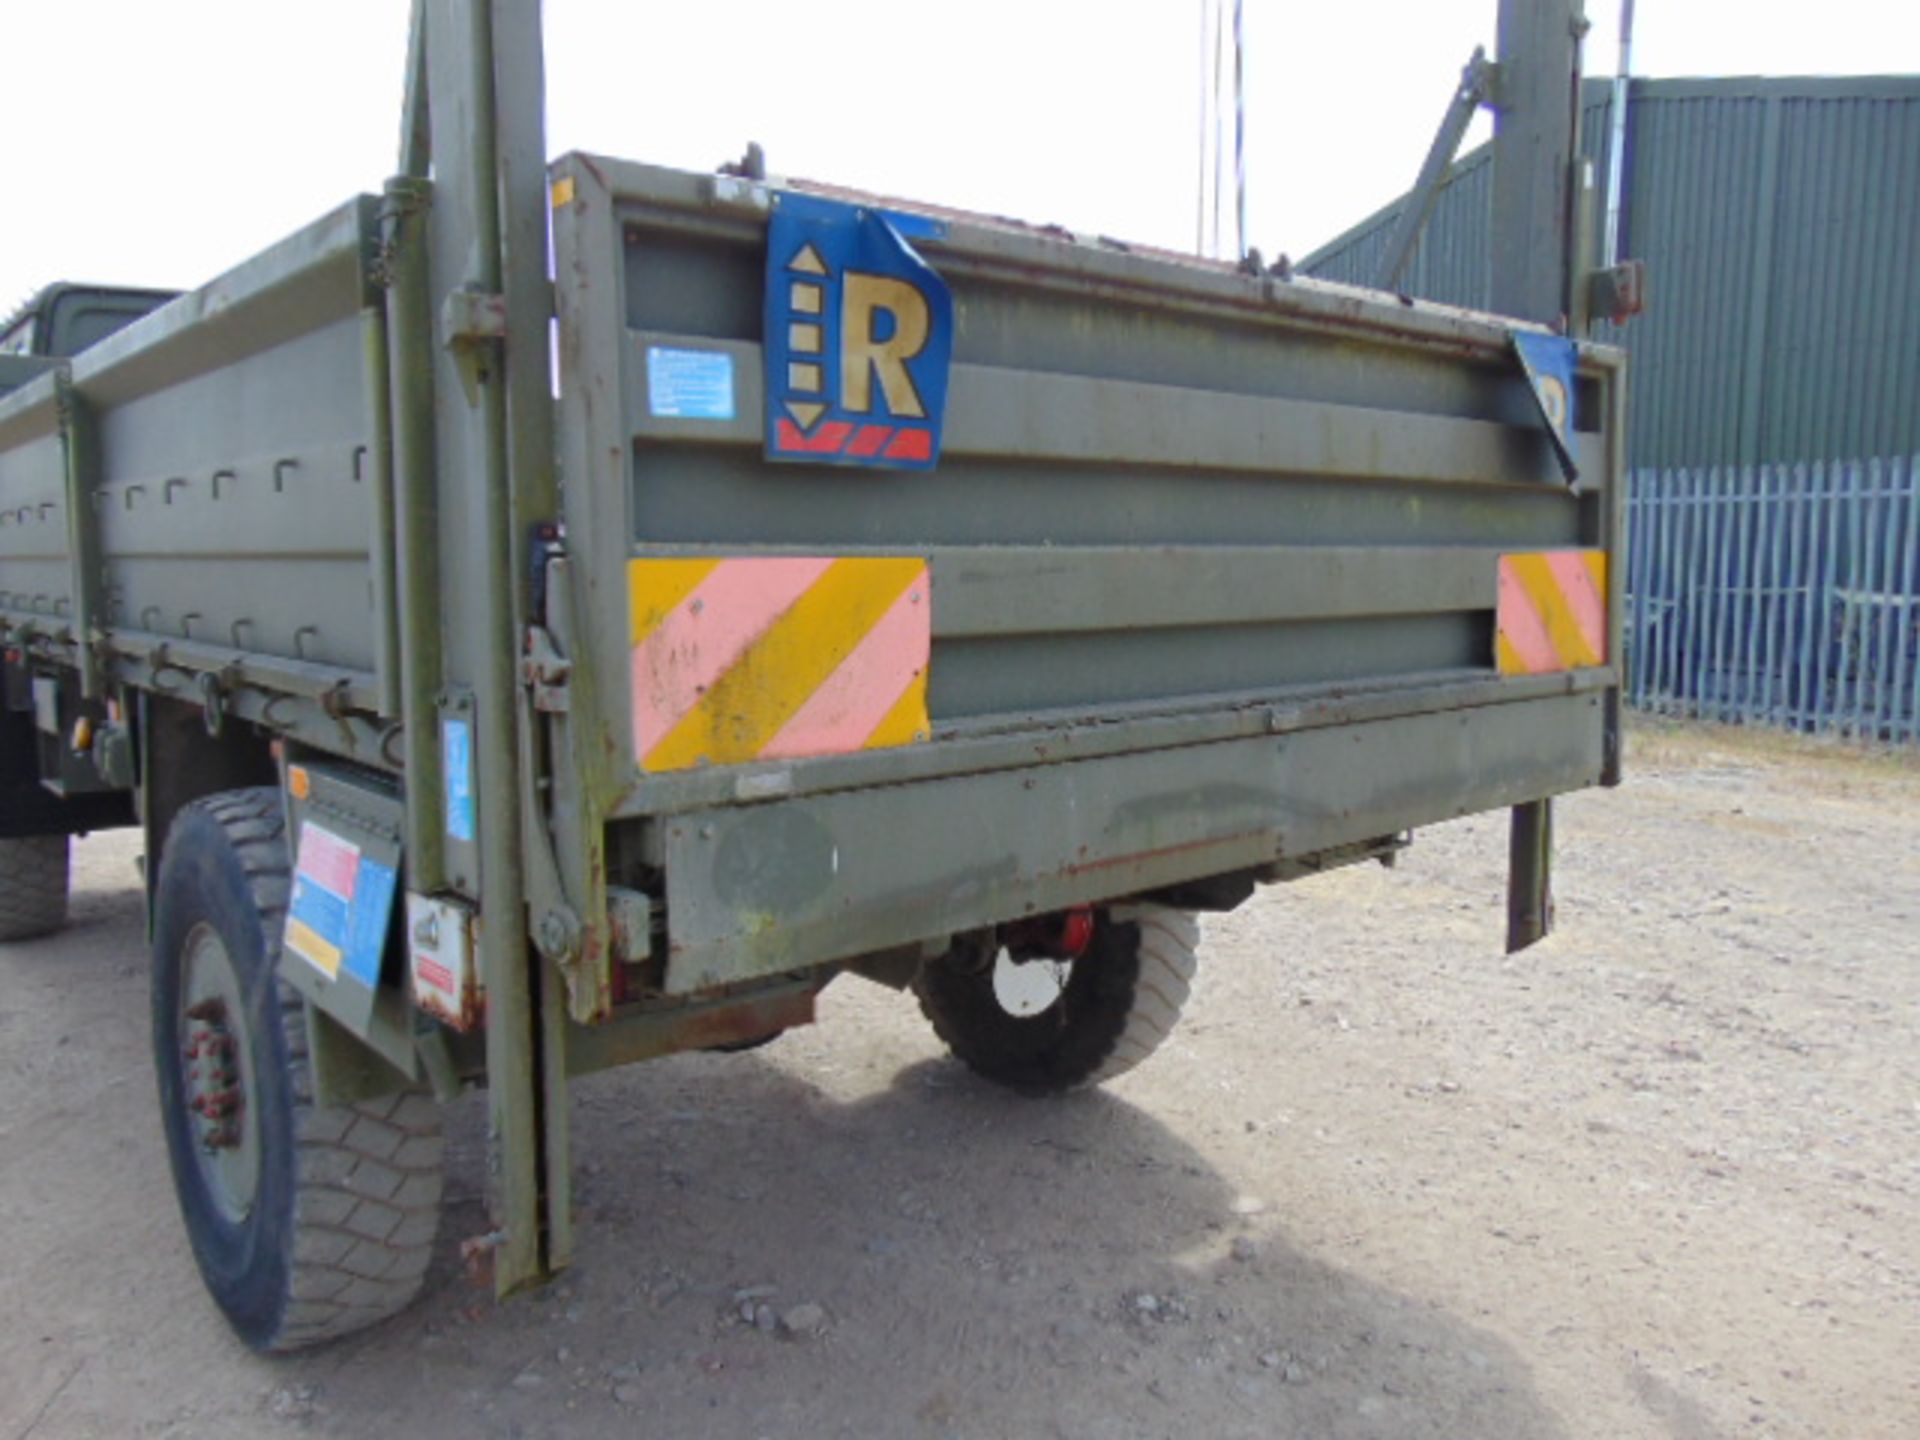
[
  {"x": 1223, "y": 122},
  {"x": 858, "y": 337}
]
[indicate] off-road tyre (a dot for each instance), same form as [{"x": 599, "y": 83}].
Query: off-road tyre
[
  {"x": 341, "y": 1222},
  {"x": 33, "y": 886},
  {"x": 1120, "y": 1002}
]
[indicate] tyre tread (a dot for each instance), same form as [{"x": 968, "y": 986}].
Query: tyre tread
[
  {"x": 33, "y": 886},
  {"x": 1130, "y": 1012},
  {"x": 1169, "y": 959},
  {"x": 357, "y": 1257}
]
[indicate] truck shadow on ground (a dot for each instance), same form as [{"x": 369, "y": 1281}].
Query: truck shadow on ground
[
  {"x": 983, "y": 1265},
  {"x": 112, "y": 914}
]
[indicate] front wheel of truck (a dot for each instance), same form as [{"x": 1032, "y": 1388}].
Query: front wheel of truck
[
  {"x": 1045, "y": 1023},
  {"x": 307, "y": 1222}
]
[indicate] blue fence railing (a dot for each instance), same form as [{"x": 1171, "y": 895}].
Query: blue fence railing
[{"x": 1780, "y": 595}]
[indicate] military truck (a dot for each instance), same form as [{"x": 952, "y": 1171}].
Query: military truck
[
  {"x": 65, "y": 319},
  {"x": 36, "y": 822},
  {"x": 871, "y": 590}
]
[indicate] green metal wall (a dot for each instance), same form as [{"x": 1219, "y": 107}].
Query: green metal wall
[{"x": 1780, "y": 223}]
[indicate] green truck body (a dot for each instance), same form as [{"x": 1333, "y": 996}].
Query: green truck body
[
  {"x": 1204, "y": 591},
  {"x": 63, "y": 320}
]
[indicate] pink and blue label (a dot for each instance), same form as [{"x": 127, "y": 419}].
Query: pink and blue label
[{"x": 342, "y": 902}]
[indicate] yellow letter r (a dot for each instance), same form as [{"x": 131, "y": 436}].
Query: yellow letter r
[{"x": 862, "y": 356}]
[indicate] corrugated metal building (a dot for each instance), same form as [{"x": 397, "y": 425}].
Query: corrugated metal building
[{"x": 1780, "y": 223}]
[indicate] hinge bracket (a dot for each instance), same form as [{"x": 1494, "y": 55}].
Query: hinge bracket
[{"x": 545, "y": 671}]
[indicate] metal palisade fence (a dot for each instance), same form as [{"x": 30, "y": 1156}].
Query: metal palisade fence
[{"x": 1778, "y": 594}]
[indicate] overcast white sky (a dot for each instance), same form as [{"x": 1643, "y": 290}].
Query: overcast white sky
[{"x": 157, "y": 144}]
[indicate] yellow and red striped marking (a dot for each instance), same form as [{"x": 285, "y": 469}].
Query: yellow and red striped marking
[
  {"x": 1552, "y": 612},
  {"x": 777, "y": 658}
]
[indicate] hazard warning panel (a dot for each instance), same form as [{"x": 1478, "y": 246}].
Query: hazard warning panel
[
  {"x": 859, "y": 337},
  {"x": 773, "y": 657},
  {"x": 1552, "y": 612}
]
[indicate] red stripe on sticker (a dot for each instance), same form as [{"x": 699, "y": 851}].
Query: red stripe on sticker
[
  {"x": 911, "y": 444},
  {"x": 828, "y": 440},
  {"x": 839, "y": 717},
  {"x": 869, "y": 441},
  {"x": 1522, "y": 625},
  {"x": 706, "y": 634},
  {"x": 327, "y": 860},
  {"x": 1586, "y": 606},
  {"x": 433, "y": 973}
]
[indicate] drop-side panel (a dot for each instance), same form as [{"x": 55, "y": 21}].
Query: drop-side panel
[
  {"x": 1222, "y": 569},
  {"x": 227, "y": 467},
  {"x": 1160, "y": 481},
  {"x": 35, "y": 579},
  {"x": 235, "y": 504}
]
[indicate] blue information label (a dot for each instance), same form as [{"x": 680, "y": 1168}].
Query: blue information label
[
  {"x": 367, "y": 925},
  {"x": 689, "y": 384},
  {"x": 320, "y": 910},
  {"x": 456, "y": 758},
  {"x": 341, "y": 907}
]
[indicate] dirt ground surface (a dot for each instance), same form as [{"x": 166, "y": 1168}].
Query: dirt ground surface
[{"x": 1659, "y": 1176}]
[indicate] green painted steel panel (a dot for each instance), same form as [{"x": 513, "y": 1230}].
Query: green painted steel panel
[
  {"x": 758, "y": 890},
  {"x": 232, "y": 497},
  {"x": 1102, "y": 402},
  {"x": 1179, "y": 513},
  {"x": 35, "y": 578},
  {"x": 1180, "y": 510}
]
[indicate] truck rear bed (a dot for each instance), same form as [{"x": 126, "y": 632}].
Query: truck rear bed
[
  {"x": 873, "y": 589},
  {"x": 1211, "y": 566},
  {"x": 1214, "y": 569}
]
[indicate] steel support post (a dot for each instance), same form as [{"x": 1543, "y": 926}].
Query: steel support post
[
  {"x": 416, "y": 520},
  {"x": 1536, "y": 138},
  {"x": 381, "y": 539},
  {"x": 1529, "y": 874},
  {"x": 519, "y": 106},
  {"x": 80, "y": 441},
  {"x": 477, "y": 517}
]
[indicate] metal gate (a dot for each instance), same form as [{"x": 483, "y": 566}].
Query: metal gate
[{"x": 1781, "y": 595}]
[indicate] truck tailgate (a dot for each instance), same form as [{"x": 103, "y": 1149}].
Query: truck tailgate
[{"x": 1177, "y": 509}]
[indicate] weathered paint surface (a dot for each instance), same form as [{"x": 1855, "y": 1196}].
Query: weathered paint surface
[
  {"x": 758, "y": 890},
  {"x": 1552, "y": 612},
  {"x": 777, "y": 657}
]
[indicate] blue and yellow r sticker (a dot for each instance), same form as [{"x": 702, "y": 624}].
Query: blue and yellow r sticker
[{"x": 858, "y": 337}]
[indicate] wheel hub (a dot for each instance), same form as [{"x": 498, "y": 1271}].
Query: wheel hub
[
  {"x": 1036, "y": 960},
  {"x": 213, "y": 1076},
  {"x": 1025, "y": 988},
  {"x": 217, "y": 1074}
]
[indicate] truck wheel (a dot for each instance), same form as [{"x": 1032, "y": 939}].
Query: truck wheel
[
  {"x": 1043, "y": 1026},
  {"x": 307, "y": 1223},
  {"x": 33, "y": 886}
]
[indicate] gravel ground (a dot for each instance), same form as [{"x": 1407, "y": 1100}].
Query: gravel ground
[{"x": 1658, "y": 1177}]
